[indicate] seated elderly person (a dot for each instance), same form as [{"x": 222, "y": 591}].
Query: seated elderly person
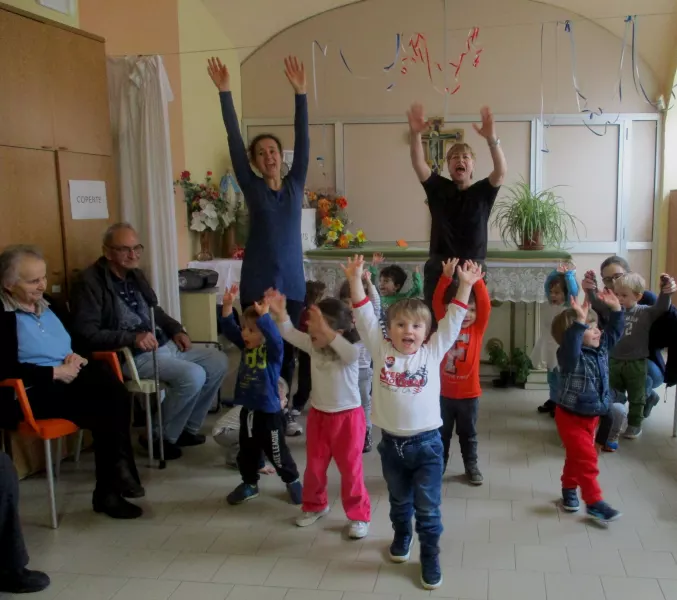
[
  {"x": 36, "y": 348},
  {"x": 111, "y": 309}
]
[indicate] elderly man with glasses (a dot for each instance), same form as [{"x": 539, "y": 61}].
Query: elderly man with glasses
[{"x": 111, "y": 306}]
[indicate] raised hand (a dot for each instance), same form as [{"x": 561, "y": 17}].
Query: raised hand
[
  {"x": 354, "y": 268},
  {"x": 277, "y": 304},
  {"x": 668, "y": 285},
  {"x": 449, "y": 267},
  {"x": 610, "y": 299},
  {"x": 219, "y": 74},
  {"x": 228, "y": 298},
  {"x": 470, "y": 273},
  {"x": 488, "y": 129},
  {"x": 366, "y": 276},
  {"x": 377, "y": 258},
  {"x": 589, "y": 282},
  {"x": 262, "y": 307},
  {"x": 581, "y": 310},
  {"x": 296, "y": 74},
  {"x": 417, "y": 121}
]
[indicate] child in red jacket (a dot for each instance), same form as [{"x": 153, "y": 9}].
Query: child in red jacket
[{"x": 460, "y": 372}]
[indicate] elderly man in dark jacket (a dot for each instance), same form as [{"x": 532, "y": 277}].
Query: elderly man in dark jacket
[{"x": 111, "y": 304}]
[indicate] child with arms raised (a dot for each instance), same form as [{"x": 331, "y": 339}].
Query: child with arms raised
[
  {"x": 262, "y": 422},
  {"x": 583, "y": 397},
  {"x": 336, "y": 425},
  {"x": 460, "y": 370},
  {"x": 391, "y": 280},
  {"x": 406, "y": 406},
  {"x": 560, "y": 285}
]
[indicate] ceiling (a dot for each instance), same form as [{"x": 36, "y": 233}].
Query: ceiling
[{"x": 251, "y": 24}]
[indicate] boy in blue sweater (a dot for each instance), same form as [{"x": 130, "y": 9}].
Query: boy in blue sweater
[
  {"x": 262, "y": 423},
  {"x": 583, "y": 397}
]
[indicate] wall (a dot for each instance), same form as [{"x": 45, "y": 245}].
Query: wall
[{"x": 33, "y": 7}]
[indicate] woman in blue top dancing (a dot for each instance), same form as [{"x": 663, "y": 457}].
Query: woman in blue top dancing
[{"x": 273, "y": 257}]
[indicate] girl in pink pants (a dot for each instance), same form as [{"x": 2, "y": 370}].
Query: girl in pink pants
[{"x": 336, "y": 424}]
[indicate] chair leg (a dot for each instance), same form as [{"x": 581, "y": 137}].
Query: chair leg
[
  {"x": 149, "y": 430},
  {"x": 50, "y": 485},
  {"x": 59, "y": 455},
  {"x": 78, "y": 445}
]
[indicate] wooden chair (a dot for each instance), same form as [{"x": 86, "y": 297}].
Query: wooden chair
[{"x": 52, "y": 429}]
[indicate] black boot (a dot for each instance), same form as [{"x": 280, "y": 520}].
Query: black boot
[
  {"x": 548, "y": 406},
  {"x": 115, "y": 506},
  {"x": 23, "y": 581}
]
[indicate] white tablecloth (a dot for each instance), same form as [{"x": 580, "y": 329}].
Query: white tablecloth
[{"x": 228, "y": 269}]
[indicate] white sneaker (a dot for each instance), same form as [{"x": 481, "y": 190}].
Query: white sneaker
[
  {"x": 292, "y": 429},
  {"x": 308, "y": 518},
  {"x": 295, "y": 412},
  {"x": 358, "y": 530}
]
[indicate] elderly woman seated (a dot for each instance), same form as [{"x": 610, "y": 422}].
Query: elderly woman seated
[{"x": 36, "y": 347}]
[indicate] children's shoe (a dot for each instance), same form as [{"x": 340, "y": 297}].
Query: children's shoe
[
  {"x": 295, "y": 412},
  {"x": 651, "y": 402},
  {"x": 358, "y": 530},
  {"x": 570, "y": 501},
  {"x": 546, "y": 407},
  {"x": 602, "y": 512},
  {"x": 611, "y": 444},
  {"x": 431, "y": 572},
  {"x": 400, "y": 549},
  {"x": 242, "y": 493},
  {"x": 474, "y": 475},
  {"x": 293, "y": 429},
  {"x": 295, "y": 490},
  {"x": 368, "y": 442},
  {"x": 632, "y": 432},
  {"x": 308, "y": 518}
]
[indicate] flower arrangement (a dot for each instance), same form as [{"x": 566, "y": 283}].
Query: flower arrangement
[
  {"x": 206, "y": 207},
  {"x": 332, "y": 221}
]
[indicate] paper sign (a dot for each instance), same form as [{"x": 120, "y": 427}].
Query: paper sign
[
  {"x": 308, "y": 232},
  {"x": 88, "y": 199}
]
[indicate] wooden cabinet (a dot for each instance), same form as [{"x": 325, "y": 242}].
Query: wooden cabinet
[
  {"x": 29, "y": 201},
  {"x": 25, "y": 97},
  {"x": 82, "y": 238},
  {"x": 80, "y": 93}
]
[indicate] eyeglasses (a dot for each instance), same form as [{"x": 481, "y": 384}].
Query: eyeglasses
[
  {"x": 607, "y": 281},
  {"x": 138, "y": 249}
]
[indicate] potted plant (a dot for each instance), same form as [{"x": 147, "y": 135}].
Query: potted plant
[
  {"x": 500, "y": 359},
  {"x": 521, "y": 366},
  {"x": 532, "y": 220}
]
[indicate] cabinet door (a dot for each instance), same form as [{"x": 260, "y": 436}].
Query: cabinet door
[
  {"x": 29, "y": 204},
  {"x": 82, "y": 238},
  {"x": 25, "y": 97},
  {"x": 80, "y": 91}
]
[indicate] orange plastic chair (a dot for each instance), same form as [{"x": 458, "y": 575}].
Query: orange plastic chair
[{"x": 52, "y": 429}]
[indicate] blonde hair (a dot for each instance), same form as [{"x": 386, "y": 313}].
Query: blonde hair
[
  {"x": 461, "y": 147},
  {"x": 566, "y": 319},
  {"x": 410, "y": 308},
  {"x": 630, "y": 281}
]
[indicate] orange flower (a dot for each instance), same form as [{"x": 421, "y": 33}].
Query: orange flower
[
  {"x": 326, "y": 221},
  {"x": 402, "y": 243},
  {"x": 341, "y": 202},
  {"x": 324, "y": 205},
  {"x": 322, "y": 213},
  {"x": 343, "y": 242}
]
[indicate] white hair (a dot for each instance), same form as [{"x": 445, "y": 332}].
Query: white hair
[
  {"x": 10, "y": 259},
  {"x": 110, "y": 232}
]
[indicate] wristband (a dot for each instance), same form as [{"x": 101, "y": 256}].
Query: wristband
[{"x": 494, "y": 143}]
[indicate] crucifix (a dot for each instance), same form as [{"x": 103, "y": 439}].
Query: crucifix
[{"x": 436, "y": 141}]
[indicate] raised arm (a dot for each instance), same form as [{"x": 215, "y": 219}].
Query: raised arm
[
  {"x": 347, "y": 352},
  {"x": 439, "y": 307},
  {"x": 274, "y": 343},
  {"x": 238, "y": 152},
  {"x": 664, "y": 301},
  {"x": 488, "y": 132},
  {"x": 296, "y": 74},
  {"x": 417, "y": 125},
  {"x": 483, "y": 304},
  {"x": 295, "y": 337},
  {"x": 416, "y": 285}
]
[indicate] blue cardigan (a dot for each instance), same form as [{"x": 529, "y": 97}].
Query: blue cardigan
[{"x": 273, "y": 255}]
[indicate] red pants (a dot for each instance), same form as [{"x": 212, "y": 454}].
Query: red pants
[
  {"x": 580, "y": 465},
  {"x": 341, "y": 436}
]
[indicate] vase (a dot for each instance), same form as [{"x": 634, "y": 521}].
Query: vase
[
  {"x": 228, "y": 243},
  {"x": 532, "y": 243},
  {"x": 205, "y": 252}
]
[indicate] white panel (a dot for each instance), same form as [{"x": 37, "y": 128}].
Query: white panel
[
  {"x": 643, "y": 169},
  {"x": 640, "y": 262}
]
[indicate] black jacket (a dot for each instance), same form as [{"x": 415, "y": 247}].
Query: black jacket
[
  {"x": 663, "y": 334},
  {"x": 94, "y": 307}
]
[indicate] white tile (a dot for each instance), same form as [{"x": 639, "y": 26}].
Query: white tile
[
  {"x": 560, "y": 586},
  {"x": 482, "y": 555},
  {"x": 464, "y": 583},
  {"x": 201, "y": 591},
  {"x": 189, "y": 566},
  {"x": 658, "y": 538},
  {"x": 246, "y": 592},
  {"x": 517, "y": 585},
  {"x": 92, "y": 587},
  {"x": 302, "y": 573},
  {"x": 644, "y": 563},
  {"x": 192, "y": 539},
  {"x": 620, "y": 535},
  {"x": 630, "y": 588},
  {"x": 59, "y": 582},
  {"x": 349, "y": 576},
  {"x": 553, "y": 533},
  {"x": 363, "y": 596},
  {"x": 543, "y": 559},
  {"x": 468, "y": 530},
  {"x": 313, "y": 595},
  {"x": 245, "y": 570},
  {"x": 93, "y": 560},
  {"x": 245, "y": 542},
  {"x": 146, "y": 589},
  {"x": 488, "y": 509},
  {"x": 595, "y": 562},
  {"x": 513, "y": 532},
  {"x": 401, "y": 579},
  {"x": 293, "y": 542},
  {"x": 669, "y": 587},
  {"x": 145, "y": 563}
]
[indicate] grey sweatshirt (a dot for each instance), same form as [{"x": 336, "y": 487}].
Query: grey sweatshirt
[{"x": 634, "y": 345}]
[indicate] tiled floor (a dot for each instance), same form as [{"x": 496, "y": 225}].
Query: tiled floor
[{"x": 505, "y": 540}]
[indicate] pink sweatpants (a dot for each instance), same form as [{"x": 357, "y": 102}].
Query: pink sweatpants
[{"x": 339, "y": 436}]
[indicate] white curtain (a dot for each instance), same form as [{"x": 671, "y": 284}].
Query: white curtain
[{"x": 139, "y": 93}]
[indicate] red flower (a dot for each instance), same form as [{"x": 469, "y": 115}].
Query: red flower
[
  {"x": 341, "y": 202},
  {"x": 185, "y": 174},
  {"x": 209, "y": 173}
]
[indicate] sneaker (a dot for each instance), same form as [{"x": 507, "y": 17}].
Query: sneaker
[
  {"x": 23, "y": 581},
  {"x": 651, "y": 402},
  {"x": 474, "y": 475},
  {"x": 431, "y": 572},
  {"x": 358, "y": 530},
  {"x": 242, "y": 493},
  {"x": 400, "y": 549},
  {"x": 295, "y": 490},
  {"x": 295, "y": 412},
  {"x": 308, "y": 518},
  {"x": 611, "y": 444},
  {"x": 546, "y": 407},
  {"x": 368, "y": 442},
  {"x": 190, "y": 439},
  {"x": 632, "y": 432},
  {"x": 570, "y": 501},
  {"x": 292, "y": 429},
  {"x": 602, "y": 512}
]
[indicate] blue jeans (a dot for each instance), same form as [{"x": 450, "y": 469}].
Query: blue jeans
[
  {"x": 412, "y": 467},
  {"x": 553, "y": 383},
  {"x": 193, "y": 379},
  {"x": 654, "y": 377}
]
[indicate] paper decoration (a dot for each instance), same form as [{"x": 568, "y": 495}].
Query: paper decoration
[
  {"x": 308, "y": 229},
  {"x": 88, "y": 199}
]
